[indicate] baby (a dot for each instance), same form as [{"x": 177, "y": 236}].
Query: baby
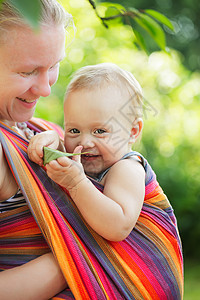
[{"x": 103, "y": 117}]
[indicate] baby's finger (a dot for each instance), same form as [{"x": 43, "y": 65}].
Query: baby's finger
[
  {"x": 32, "y": 154},
  {"x": 59, "y": 163},
  {"x": 53, "y": 165},
  {"x": 77, "y": 158},
  {"x": 64, "y": 161},
  {"x": 36, "y": 145},
  {"x": 35, "y": 158},
  {"x": 39, "y": 149}
]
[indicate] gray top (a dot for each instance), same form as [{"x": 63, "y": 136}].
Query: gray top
[{"x": 133, "y": 155}]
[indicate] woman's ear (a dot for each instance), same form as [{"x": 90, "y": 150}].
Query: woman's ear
[{"x": 136, "y": 129}]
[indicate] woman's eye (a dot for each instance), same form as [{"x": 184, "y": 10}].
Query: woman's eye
[
  {"x": 99, "y": 131},
  {"x": 74, "y": 130},
  {"x": 54, "y": 66},
  {"x": 25, "y": 74}
]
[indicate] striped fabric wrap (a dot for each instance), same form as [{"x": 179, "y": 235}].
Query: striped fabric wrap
[{"x": 148, "y": 264}]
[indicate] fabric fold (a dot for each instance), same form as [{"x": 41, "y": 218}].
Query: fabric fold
[{"x": 148, "y": 264}]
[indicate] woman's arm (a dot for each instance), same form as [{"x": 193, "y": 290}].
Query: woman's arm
[
  {"x": 114, "y": 212},
  {"x": 8, "y": 185},
  {"x": 39, "y": 279}
]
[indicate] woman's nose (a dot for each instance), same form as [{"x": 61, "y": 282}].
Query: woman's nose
[{"x": 42, "y": 85}]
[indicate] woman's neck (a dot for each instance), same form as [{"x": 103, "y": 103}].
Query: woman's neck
[
  {"x": 20, "y": 127},
  {"x": 9, "y": 123}
]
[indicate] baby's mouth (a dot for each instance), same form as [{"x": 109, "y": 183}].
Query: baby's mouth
[
  {"x": 87, "y": 158},
  {"x": 90, "y": 155}
]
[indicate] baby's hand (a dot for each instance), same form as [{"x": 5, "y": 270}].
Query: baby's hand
[
  {"x": 48, "y": 138},
  {"x": 67, "y": 172}
]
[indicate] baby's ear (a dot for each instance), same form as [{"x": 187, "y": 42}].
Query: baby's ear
[{"x": 136, "y": 129}]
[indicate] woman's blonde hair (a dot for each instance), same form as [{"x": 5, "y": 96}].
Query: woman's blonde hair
[
  {"x": 52, "y": 13},
  {"x": 101, "y": 75}
]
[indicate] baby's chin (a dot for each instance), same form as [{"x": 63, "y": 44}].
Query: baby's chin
[{"x": 92, "y": 174}]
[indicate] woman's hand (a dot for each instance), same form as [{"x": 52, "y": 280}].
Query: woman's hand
[{"x": 49, "y": 139}]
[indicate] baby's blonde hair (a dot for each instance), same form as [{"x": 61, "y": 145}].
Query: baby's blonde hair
[
  {"x": 52, "y": 13},
  {"x": 100, "y": 75}
]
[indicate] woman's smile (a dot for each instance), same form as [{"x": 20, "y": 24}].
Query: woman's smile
[{"x": 27, "y": 103}]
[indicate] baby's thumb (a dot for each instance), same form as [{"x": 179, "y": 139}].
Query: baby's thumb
[{"x": 77, "y": 158}]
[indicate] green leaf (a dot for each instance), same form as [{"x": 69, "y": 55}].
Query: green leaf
[
  {"x": 52, "y": 154},
  {"x": 111, "y": 12},
  {"x": 160, "y": 17},
  {"x": 118, "y": 6},
  {"x": 30, "y": 10},
  {"x": 153, "y": 29},
  {"x": 140, "y": 40}
]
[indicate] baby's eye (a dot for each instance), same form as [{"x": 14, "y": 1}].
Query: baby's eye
[
  {"x": 99, "y": 131},
  {"x": 74, "y": 130}
]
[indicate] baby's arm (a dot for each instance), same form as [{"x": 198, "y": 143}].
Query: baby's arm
[
  {"x": 40, "y": 278},
  {"x": 49, "y": 138},
  {"x": 113, "y": 213}
]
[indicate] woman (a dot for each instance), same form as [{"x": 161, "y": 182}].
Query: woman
[
  {"x": 146, "y": 265},
  {"x": 29, "y": 66}
]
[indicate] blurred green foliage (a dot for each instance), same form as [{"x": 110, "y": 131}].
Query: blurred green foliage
[
  {"x": 29, "y": 9},
  {"x": 192, "y": 279},
  {"x": 145, "y": 21},
  {"x": 170, "y": 138},
  {"x": 184, "y": 15}
]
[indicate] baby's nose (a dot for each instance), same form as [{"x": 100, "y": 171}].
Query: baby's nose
[{"x": 87, "y": 142}]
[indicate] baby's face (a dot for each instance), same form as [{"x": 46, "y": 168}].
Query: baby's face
[{"x": 94, "y": 120}]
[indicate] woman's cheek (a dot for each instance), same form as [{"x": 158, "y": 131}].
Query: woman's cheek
[{"x": 53, "y": 77}]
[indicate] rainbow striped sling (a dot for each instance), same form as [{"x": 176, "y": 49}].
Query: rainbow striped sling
[{"x": 148, "y": 264}]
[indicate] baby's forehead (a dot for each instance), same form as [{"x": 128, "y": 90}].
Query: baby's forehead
[
  {"x": 111, "y": 102},
  {"x": 102, "y": 89}
]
